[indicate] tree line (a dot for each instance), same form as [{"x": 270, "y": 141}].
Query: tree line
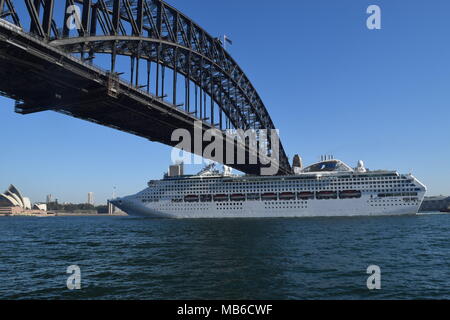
[{"x": 73, "y": 207}]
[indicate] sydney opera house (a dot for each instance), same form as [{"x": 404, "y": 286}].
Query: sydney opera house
[{"x": 12, "y": 202}]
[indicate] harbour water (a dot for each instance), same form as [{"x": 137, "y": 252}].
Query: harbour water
[{"x": 317, "y": 258}]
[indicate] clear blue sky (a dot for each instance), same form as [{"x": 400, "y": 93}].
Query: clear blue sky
[{"x": 331, "y": 85}]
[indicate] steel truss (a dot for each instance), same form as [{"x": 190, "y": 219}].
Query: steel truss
[{"x": 155, "y": 32}]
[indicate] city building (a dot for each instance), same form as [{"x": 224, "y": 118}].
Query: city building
[
  {"x": 90, "y": 198},
  {"x": 176, "y": 170},
  {"x": 49, "y": 198}
]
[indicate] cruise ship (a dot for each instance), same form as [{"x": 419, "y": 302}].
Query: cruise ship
[{"x": 328, "y": 188}]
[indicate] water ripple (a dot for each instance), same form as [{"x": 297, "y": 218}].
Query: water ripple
[{"x": 129, "y": 258}]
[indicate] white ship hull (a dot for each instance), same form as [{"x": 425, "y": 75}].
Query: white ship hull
[
  {"x": 326, "y": 189},
  {"x": 365, "y": 206}
]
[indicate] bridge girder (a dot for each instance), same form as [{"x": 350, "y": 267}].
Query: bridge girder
[{"x": 154, "y": 31}]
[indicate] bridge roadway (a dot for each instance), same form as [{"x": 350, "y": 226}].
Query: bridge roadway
[{"x": 46, "y": 78}]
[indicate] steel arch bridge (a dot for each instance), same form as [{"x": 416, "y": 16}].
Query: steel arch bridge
[{"x": 178, "y": 73}]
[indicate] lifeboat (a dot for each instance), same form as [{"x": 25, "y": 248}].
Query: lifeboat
[
  {"x": 237, "y": 197},
  {"x": 191, "y": 198},
  {"x": 221, "y": 197},
  {"x": 253, "y": 196},
  {"x": 350, "y": 194},
  {"x": 324, "y": 195},
  {"x": 269, "y": 196},
  {"x": 287, "y": 196},
  {"x": 306, "y": 195},
  {"x": 205, "y": 198}
]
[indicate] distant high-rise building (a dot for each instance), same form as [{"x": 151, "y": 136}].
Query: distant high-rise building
[
  {"x": 176, "y": 170},
  {"x": 90, "y": 198},
  {"x": 49, "y": 198}
]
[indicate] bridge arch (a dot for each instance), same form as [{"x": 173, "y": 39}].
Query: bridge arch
[{"x": 158, "y": 34}]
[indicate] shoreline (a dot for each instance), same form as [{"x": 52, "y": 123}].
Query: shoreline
[
  {"x": 66, "y": 215},
  {"x": 61, "y": 214},
  {"x": 74, "y": 214}
]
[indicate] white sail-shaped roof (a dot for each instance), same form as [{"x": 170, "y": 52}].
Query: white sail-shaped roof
[
  {"x": 13, "y": 198},
  {"x": 13, "y": 190},
  {"x": 8, "y": 201},
  {"x": 26, "y": 203}
]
